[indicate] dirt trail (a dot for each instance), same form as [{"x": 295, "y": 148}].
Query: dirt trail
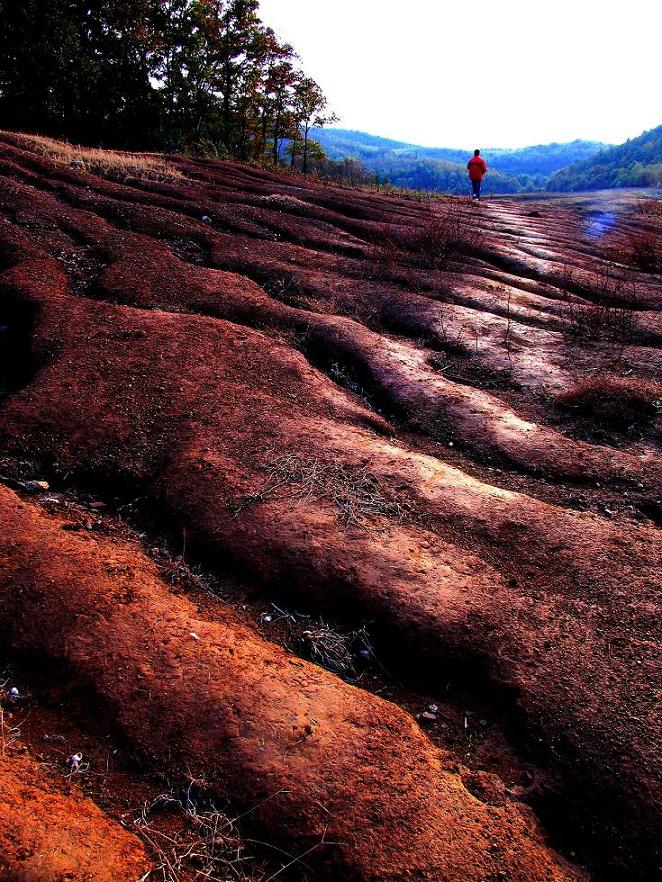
[{"x": 283, "y": 374}]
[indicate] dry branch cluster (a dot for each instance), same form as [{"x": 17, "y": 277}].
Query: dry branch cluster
[
  {"x": 187, "y": 838},
  {"x": 354, "y": 493},
  {"x": 452, "y": 230},
  {"x": 607, "y": 311}
]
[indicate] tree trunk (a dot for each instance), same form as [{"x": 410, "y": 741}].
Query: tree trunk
[
  {"x": 305, "y": 148},
  {"x": 277, "y": 134}
]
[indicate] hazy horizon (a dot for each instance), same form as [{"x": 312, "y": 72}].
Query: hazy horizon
[
  {"x": 483, "y": 147},
  {"x": 487, "y": 74}
]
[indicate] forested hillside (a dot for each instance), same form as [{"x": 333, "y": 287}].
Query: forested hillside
[
  {"x": 154, "y": 74},
  {"x": 637, "y": 163},
  {"x": 442, "y": 168}
]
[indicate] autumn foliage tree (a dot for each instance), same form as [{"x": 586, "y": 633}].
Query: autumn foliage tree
[
  {"x": 310, "y": 112},
  {"x": 163, "y": 74}
]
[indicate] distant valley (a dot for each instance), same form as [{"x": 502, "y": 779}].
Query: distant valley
[
  {"x": 444, "y": 169},
  {"x": 574, "y": 166}
]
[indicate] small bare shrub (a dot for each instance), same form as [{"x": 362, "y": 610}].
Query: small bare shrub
[
  {"x": 642, "y": 248},
  {"x": 643, "y": 251},
  {"x": 610, "y": 311},
  {"x": 450, "y": 231},
  {"x": 387, "y": 246},
  {"x": 649, "y": 208},
  {"x": 615, "y": 402}
]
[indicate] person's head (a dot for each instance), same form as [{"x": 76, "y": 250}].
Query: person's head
[{"x": 476, "y": 152}]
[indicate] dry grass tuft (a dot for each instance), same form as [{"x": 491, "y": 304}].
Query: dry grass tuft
[
  {"x": 616, "y": 402},
  {"x": 112, "y": 164},
  {"x": 354, "y": 493},
  {"x": 288, "y": 290}
]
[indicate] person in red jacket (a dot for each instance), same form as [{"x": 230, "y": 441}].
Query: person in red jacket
[{"x": 477, "y": 168}]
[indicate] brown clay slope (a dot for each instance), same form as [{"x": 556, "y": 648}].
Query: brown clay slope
[
  {"x": 318, "y": 761},
  {"x": 401, "y": 372},
  {"x": 200, "y": 410},
  {"x": 220, "y": 421}
]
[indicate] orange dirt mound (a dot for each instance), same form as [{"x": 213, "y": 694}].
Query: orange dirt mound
[{"x": 47, "y": 836}]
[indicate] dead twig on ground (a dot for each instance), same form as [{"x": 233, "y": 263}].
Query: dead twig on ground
[
  {"x": 187, "y": 838},
  {"x": 354, "y": 493}
]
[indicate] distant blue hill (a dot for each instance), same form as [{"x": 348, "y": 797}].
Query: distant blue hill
[{"x": 443, "y": 169}]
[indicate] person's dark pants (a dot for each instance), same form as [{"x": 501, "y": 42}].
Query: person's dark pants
[{"x": 475, "y": 186}]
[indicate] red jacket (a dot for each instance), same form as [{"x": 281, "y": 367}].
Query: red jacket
[{"x": 477, "y": 168}]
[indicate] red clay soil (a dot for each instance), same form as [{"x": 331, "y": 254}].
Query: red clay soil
[
  {"x": 47, "y": 835},
  {"x": 277, "y": 369},
  {"x": 320, "y": 761}
]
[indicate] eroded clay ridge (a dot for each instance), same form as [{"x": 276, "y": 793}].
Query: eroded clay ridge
[
  {"x": 332, "y": 288},
  {"x": 49, "y": 836},
  {"x": 171, "y": 339},
  {"x": 317, "y": 760}
]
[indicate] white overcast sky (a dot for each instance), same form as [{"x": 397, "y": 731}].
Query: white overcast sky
[{"x": 505, "y": 73}]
